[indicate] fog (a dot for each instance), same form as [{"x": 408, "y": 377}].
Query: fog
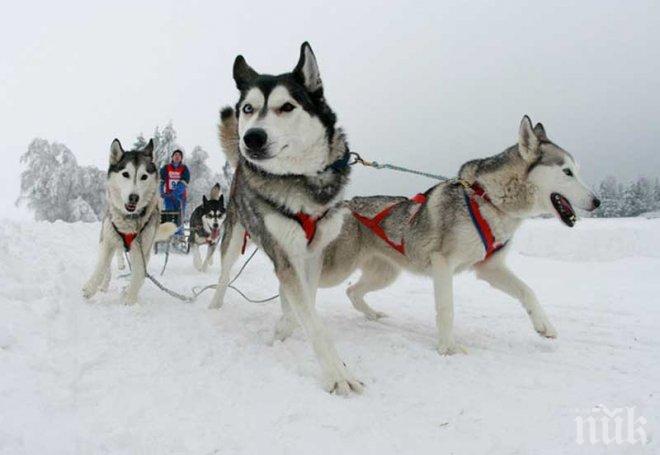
[{"x": 422, "y": 84}]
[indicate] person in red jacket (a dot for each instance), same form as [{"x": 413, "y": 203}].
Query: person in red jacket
[{"x": 175, "y": 178}]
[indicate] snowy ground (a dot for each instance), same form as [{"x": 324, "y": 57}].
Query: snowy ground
[{"x": 166, "y": 377}]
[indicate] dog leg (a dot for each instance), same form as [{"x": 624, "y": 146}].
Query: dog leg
[
  {"x": 102, "y": 269},
  {"x": 121, "y": 263},
  {"x": 209, "y": 257},
  {"x": 297, "y": 287},
  {"x": 287, "y": 323},
  {"x": 210, "y": 254},
  {"x": 230, "y": 249},
  {"x": 197, "y": 259},
  {"x": 498, "y": 275},
  {"x": 443, "y": 277},
  {"x": 376, "y": 274},
  {"x": 140, "y": 254},
  {"x": 103, "y": 287}
]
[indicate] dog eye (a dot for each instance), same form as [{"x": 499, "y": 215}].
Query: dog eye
[
  {"x": 144, "y": 177},
  {"x": 287, "y": 107},
  {"x": 568, "y": 172},
  {"x": 125, "y": 174},
  {"x": 248, "y": 109}
]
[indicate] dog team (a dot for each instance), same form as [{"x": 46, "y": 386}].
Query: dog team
[{"x": 292, "y": 164}]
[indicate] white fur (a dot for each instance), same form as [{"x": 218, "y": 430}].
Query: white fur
[{"x": 297, "y": 142}]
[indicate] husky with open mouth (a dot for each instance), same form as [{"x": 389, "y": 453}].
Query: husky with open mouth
[
  {"x": 205, "y": 223},
  {"x": 132, "y": 220},
  {"x": 465, "y": 223},
  {"x": 291, "y": 166}
]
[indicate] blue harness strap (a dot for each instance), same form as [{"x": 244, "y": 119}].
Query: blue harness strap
[{"x": 481, "y": 225}]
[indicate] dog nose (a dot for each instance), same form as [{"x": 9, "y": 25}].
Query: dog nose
[
  {"x": 255, "y": 139},
  {"x": 595, "y": 203},
  {"x": 133, "y": 198},
  {"x": 215, "y": 225}
]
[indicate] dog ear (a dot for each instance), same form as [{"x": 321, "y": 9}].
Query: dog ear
[
  {"x": 539, "y": 130},
  {"x": 307, "y": 70},
  {"x": 116, "y": 152},
  {"x": 528, "y": 143},
  {"x": 222, "y": 201},
  {"x": 243, "y": 73},
  {"x": 148, "y": 150},
  {"x": 204, "y": 200}
]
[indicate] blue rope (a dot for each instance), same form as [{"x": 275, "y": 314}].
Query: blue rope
[{"x": 377, "y": 165}]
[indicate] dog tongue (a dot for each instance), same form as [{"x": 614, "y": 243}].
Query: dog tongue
[{"x": 215, "y": 233}]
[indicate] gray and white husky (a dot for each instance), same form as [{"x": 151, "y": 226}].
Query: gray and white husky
[
  {"x": 205, "y": 223},
  {"x": 291, "y": 166},
  {"x": 465, "y": 223},
  {"x": 132, "y": 219}
]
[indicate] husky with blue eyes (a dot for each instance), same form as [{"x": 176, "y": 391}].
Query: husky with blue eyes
[
  {"x": 291, "y": 166},
  {"x": 462, "y": 224},
  {"x": 132, "y": 219}
]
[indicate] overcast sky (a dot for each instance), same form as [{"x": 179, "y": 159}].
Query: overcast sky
[{"x": 425, "y": 84}]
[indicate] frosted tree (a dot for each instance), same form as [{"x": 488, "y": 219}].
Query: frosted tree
[
  {"x": 56, "y": 188},
  {"x": 165, "y": 143},
  {"x": 202, "y": 178},
  {"x": 140, "y": 142},
  {"x": 80, "y": 210},
  {"x": 609, "y": 192}
]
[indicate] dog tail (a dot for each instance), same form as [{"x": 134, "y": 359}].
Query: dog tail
[
  {"x": 215, "y": 193},
  {"x": 228, "y": 131},
  {"x": 165, "y": 231}
]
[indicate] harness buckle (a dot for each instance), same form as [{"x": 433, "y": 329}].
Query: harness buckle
[{"x": 464, "y": 183}]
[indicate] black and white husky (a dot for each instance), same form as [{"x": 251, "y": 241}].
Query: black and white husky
[
  {"x": 132, "y": 219},
  {"x": 462, "y": 224},
  {"x": 291, "y": 168},
  {"x": 205, "y": 223}
]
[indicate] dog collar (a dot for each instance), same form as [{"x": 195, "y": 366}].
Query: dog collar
[
  {"x": 340, "y": 164},
  {"x": 481, "y": 225}
]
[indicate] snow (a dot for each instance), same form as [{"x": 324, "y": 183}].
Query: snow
[{"x": 167, "y": 377}]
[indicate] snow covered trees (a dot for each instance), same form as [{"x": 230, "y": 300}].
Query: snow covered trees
[
  {"x": 56, "y": 188},
  {"x": 634, "y": 199}
]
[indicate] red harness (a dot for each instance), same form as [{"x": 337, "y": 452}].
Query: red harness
[
  {"x": 306, "y": 221},
  {"x": 480, "y": 223},
  {"x": 374, "y": 224},
  {"x": 128, "y": 239}
]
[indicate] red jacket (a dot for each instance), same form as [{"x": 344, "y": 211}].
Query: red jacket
[{"x": 172, "y": 175}]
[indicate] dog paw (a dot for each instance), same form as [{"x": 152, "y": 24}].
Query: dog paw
[
  {"x": 128, "y": 298},
  {"x": 345, "y": 386},
  {"x": 450, "y": 348},
  {"x": 283, "y": 329},
  {"x": 88, "y": 290},
  {"x": 545, "y": 329},
  {"x": 215, "y": 304},
  {"x": 374, "y": 315}
]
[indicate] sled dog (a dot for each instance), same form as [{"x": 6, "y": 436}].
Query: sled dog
[
  {"x": 291, "y": 164},
  {"x": 205, "y": 223},
  {"x": 461, "y": 224},
  {"x": 132, "y": 219}
]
